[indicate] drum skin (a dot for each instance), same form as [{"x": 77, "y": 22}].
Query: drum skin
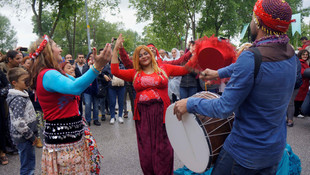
[{"x": 197, "y": 139}]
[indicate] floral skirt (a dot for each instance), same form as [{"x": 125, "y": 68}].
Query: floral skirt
[{"x": 71, "y": 158}]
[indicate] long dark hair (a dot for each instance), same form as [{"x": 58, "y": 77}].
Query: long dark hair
[{"x": 45, "y": 60}]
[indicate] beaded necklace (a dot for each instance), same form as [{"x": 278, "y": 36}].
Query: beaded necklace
[{"x": 281, "y": 39}]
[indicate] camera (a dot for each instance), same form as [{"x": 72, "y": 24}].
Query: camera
[
  {"x": 23, "y": 49},
  {"x": 71, "y": 62}
]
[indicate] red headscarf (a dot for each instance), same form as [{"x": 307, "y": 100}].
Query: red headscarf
[
  {"x": 157, "y": 53},
  {"x": 159, "y": 61}
]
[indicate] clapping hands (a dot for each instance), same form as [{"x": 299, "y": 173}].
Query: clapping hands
[
  {"x": 104, "y": 57},
  {"x": 119, "y": 42}
]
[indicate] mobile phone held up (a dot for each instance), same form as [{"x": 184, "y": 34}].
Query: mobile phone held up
[
  {"x": 25, "y": 49},
  {"x": 71, "y": 62}
]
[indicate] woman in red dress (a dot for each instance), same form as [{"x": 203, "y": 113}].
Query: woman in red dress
[{"x": 150, "y": 81}]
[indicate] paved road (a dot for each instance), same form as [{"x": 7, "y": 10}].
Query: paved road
[{"x": 117, "y": 143}]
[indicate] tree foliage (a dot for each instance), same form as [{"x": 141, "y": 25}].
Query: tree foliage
[
  {"x": 7, "y": 34},
  {"x": 171, "y": 20},
  {"x": 71, "y": 33},
  {"x": 58, "y": 9},
  {"x": 195, "y": 18}
]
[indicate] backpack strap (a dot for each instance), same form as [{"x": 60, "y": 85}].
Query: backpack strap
[{"x": 257, "y": 59}]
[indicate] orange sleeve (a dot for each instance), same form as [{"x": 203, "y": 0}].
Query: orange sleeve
[{"x": 126, "y": 75}]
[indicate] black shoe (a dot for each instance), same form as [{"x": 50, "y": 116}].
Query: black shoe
[
  {"x": 125, "y": 115},
  {"x": 97, "y": 123},
  {"x": 11, "y": 151},
  {"x": 103, "y": 118},
  {"x": 88, "y": 123},
  {"x": 290, "y": 123},
  {"x": 108, "y": 113}
]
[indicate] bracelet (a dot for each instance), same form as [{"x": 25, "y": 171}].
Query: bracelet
[{"x": 95, "y": 70}]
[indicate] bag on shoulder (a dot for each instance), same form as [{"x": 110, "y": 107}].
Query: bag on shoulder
[{"x": 117, "y": 81}]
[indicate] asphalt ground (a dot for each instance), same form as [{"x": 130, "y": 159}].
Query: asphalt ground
[{"x": 117, "y": 143}]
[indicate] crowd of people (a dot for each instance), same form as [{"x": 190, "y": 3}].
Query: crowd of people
[{"x": 37, "y": 111}]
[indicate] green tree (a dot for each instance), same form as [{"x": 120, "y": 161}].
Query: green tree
[
  {"x": 59, "y": 9},
  {"x": 171, "y": 20},
  {"x": 7, "y": 34},
  {"x": 71, "y": 33},
  {"x": 296, "y": 6}
]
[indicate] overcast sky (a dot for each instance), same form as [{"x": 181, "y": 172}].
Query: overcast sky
[{"x": 23, "y": 25}]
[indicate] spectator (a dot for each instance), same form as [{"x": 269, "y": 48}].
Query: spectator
[
  {"x": 68, "y": 57},
  {"x": 303, "y": 56},
  {"x": 3, "y": 118},
  {"x": 23, "y": 119},
  {"x": 80, "y": 69},
  {"x": 90, "y": 97},
  {"x": 27, "y": 63},
  {"x": 305, "y": 42},
  {"x": 181, "y": 53},
  {"x": 162, "y": 54},
  {"x": 116, "y": 90},
  {"x": 11, "y": 59}
]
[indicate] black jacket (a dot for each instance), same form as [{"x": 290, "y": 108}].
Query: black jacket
[{"x": 77, "y": 70}]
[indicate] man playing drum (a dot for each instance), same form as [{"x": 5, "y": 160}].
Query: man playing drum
[{"x": 258, "y": 137}]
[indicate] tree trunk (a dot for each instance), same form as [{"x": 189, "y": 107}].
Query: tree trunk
[
  {"x": 186, "y": 35},
  {"x": 69, "y": 38},
  {"x": 73, "y": 40},
  {"x": 38, "y": 15},
  {"x": 194, "y": 22},
  {"x": 194, "y": 30},
  {"x": 60, "y": 6}
]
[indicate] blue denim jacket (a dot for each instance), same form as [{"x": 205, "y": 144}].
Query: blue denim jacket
[{"x": 258, "y": 137}]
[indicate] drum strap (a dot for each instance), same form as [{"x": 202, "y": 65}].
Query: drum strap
[{"x": 258, "y": 60}]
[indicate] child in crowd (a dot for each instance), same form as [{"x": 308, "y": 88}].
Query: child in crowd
[{"x": 24, "y": 129}]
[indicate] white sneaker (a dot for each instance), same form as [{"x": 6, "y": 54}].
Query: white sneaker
[
  {"x": 120, "y": 120},
  {"x": 300, "y": 116},
  {"x": 112, "y": 121}
]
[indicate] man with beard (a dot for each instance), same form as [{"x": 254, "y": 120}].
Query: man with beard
[{"x": 258, "y": 137}]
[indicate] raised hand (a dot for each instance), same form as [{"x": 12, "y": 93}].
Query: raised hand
[
  {"x": 119, "y": 42},
  {"x": 102, "y": 59}
]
